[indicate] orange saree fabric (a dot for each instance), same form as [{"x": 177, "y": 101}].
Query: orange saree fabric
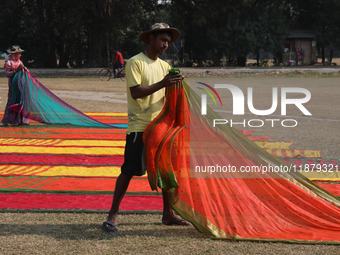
[{"x": 189, "y": 157}]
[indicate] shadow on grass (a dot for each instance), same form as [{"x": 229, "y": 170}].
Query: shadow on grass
[{"x": 94, "y": 231}]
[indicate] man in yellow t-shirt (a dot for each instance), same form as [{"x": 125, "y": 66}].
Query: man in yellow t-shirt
[
  {"x": 146, "y": 79},
  {"x": 143, "y": 71}
]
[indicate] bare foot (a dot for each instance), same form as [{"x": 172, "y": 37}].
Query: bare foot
[{"x": 175, "y": 220}]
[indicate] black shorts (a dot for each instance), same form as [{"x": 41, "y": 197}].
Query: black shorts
[{"x": 134, "y": 156}]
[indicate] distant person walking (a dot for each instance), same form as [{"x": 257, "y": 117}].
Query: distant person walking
[{"x": 12, "y": 66}]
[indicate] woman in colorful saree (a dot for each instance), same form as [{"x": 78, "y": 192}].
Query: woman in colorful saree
[
  {"x": 29, "y": 99},
  {"x": 276, "y": 206},
  {"x": 12, "y": 66}
]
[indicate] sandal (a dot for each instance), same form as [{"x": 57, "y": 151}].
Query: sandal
[{"x": 109, "y": 227}]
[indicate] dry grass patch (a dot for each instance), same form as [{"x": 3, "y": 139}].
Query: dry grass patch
[{"x": 80, "y": 233}]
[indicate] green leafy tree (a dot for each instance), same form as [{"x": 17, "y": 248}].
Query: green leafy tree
[
  {"x": 73, "y": 32},
  {"x": 231, "y": 28},
  {"x": 10, "y": 27}
]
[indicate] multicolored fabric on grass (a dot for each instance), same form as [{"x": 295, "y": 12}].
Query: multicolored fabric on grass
[
  {"x": 65, "y": 167},
  {"x": 34, "y": 101},
  {"x": 57, "y": 167},
  {"x": 273, "y": 206}
]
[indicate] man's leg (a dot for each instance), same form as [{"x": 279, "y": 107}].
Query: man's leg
[
  {"x": 114, "y": 70},
  {"x": 123, "y": 180},
  {"x": 169, "y": 216},
  {"x": 121, "y": 186},
  {"x": 116, "y": 67}
]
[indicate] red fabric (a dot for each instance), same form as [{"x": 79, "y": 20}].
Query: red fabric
[
  {"x": 333, "y": 188},
  {"x": 237, "y": 205},
  {"x": 160, "y": 134},
  {"x": 83, "y": 202},
  {"x": 74, "y": 184}
]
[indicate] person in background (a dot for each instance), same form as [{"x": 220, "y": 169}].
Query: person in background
[
  {"x": 118, "y": 62},
  {"x": 12, "y": 66}
]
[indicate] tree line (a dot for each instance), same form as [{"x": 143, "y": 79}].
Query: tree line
[{"x": 83, "y": 33}]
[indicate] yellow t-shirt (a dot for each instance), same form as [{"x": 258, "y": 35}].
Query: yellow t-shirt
[{"x": 141, "y": 70}]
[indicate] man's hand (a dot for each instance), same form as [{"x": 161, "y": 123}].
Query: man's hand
[
  {"x": 143, "y": 91},
  {"x": 171, "y": 78}
]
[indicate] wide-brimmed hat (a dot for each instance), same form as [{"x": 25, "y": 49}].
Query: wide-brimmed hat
[
  {"x": 15, "y": 49},
  {"x": 160, "y": 27}
]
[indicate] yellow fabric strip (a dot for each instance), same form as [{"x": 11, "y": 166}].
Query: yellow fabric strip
[
  {"x": 322, "y": 175},
  {"x": 61, "y": 142},
  {"x": 118, "y": 114},
  {"x": 289, "y": 154},
  {"x": 63, "y": 150},
  {"x": 309, "y": 153},
  {"x": 294, "y": 153},
  {"x": 274, "y": 145},
  {"x": 36, "y": 170}
]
